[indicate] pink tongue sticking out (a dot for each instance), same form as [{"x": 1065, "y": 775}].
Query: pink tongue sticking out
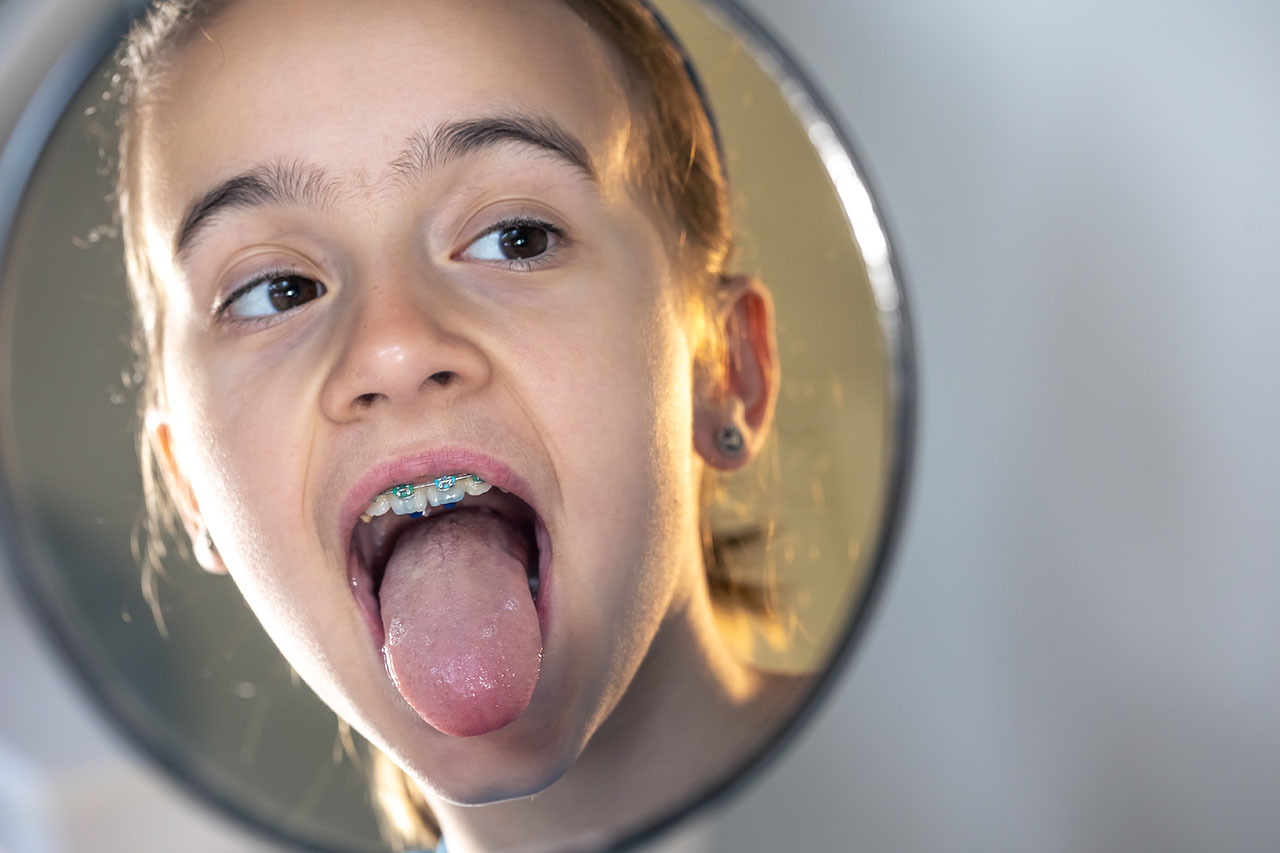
[{"x": 463, "y": 642}]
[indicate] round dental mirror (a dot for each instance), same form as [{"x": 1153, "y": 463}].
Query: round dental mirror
[{"x": 177, "y": 659}]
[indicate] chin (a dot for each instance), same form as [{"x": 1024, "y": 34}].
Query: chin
[
  {"x": 519, "y": 760},
  {"x": 508, "y": 784},
  {"x": 493, "y": 779}
]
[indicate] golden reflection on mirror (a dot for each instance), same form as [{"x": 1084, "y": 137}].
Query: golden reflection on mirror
[
  {"x": 819, "y": 486},
  {"x": 798, "y": 530}
]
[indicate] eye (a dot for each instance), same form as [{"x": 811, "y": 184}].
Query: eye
[
  {"x": 516, "y": 242},
  {"x": 272, "y": 294}
]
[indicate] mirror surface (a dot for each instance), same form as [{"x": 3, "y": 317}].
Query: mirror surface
[{"x": 203, "y": 688}]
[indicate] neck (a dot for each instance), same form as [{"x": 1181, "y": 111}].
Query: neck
[{"x": 692, "y": 713}]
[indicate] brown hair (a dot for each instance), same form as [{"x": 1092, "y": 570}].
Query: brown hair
[{"x": 678, "y": 165}]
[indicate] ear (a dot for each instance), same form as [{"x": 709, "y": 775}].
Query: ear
[
  {"x": 740, "y": 389},
  {"x": 159, "y": 436}
]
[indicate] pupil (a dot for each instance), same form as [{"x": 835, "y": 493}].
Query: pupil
[
  {"x": 292, "y": 291},
  {"x": 523, "y": 241}
]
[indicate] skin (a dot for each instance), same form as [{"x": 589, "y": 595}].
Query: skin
[{"x": 576, "y": 371}]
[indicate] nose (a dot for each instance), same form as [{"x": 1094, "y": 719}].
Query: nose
[{"x": 398, "y": 347}]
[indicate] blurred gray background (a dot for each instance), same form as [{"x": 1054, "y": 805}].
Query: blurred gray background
[{"x": 1079, "y": 646}]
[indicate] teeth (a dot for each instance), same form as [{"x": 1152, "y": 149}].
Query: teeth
[
  {"x": 379, "y": 506},
  {"x": 451, "y": 495},
  {"x": 409, "y": 498}
]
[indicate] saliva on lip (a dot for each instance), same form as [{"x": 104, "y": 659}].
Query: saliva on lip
[{"x": 416, "y": 499}]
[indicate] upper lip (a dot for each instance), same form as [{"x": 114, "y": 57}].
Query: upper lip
[{"x": 418, "y": 467}]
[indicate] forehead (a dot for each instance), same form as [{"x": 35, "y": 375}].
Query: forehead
[{"x": 344, "y": 84}]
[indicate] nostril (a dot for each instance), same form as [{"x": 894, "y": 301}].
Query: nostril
[
  {"x": 443, "y": 378},
  {"x": 364, "y": 401}
]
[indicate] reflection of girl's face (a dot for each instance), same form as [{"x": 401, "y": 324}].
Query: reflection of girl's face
[{"x": 408, "y": 343}]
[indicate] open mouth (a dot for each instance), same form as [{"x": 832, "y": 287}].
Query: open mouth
[
  {"x": 447, "y": 573},
  {"x": 402, "y": 507}
]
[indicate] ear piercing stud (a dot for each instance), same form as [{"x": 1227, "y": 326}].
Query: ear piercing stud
[{"x": 730, "y": 441}]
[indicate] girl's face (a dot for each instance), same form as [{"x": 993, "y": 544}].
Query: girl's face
[{"x": 401, "y": 240}]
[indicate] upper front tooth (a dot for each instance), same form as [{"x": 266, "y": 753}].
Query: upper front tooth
[
  {"x": 415, "y": 501},
  {"x": 437, "y": 496},
  {"x": 450, "y": 495}
]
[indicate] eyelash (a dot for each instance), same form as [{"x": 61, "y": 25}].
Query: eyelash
[
  {"x": 262, "y": 278},
  {"x": 532, "y": 264}
]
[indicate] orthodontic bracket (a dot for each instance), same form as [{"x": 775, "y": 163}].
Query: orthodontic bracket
[{"x": 404, "y": 491}]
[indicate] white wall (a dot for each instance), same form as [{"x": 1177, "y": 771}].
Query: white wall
[{"x": 1079, "y": 648}]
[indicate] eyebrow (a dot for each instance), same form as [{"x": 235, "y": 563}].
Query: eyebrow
[
  {"x": 425, "y": 154},
  {"x": 297, "y": 183}
]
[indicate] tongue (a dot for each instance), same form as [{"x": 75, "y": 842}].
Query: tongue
[{"x": 463, "y": 644}]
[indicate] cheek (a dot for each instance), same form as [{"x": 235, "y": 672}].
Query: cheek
[
  {"x": 623, "y": 427},
  {"x": 241, "y": 441},
  {"x": 245, "y": 435},
  {"x": 632, "y": 502},
  {"x": 620, "y": 397}
]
